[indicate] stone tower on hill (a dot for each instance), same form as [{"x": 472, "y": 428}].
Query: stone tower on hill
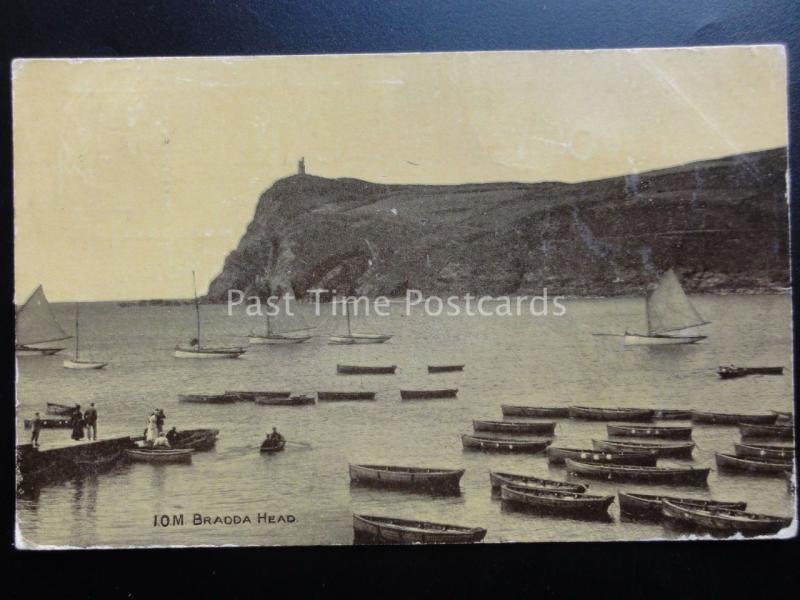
[{"x": 301, "y": 166}]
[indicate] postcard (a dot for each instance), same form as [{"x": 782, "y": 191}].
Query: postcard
[{"x": 403, "y": 298}]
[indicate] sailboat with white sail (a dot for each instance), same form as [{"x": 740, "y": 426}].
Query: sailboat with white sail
[
  {"x": 356, "y": 338},
  {"x": 287, "y": 326},
  {"x": 76, "y": 362},
  {"x": 195, "y": 349},
  {"x": 671, "y": 316},
  {"x": 37, "y": 327}
]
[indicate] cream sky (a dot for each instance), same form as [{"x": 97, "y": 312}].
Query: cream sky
[{"x": 129, "y": 174}]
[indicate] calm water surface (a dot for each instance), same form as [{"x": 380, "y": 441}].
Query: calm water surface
[{"x": 517, "y": 360}]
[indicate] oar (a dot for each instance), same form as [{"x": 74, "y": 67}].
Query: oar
[
  {"x": 609, "y": 334},
  {"x": 304, "y": 444}
]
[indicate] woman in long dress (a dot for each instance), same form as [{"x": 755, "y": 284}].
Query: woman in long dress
[{"x": 152, "y": 429}]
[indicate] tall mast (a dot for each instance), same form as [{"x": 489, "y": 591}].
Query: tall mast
[
  {"x": 347, "y": 314},
  {"x": 196, "y": 308},
  {"x": 77, "y": 334},
  {"x": 268, "y": 330}
]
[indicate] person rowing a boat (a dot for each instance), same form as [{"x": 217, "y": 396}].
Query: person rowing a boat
[{"x": 273, "y": 439}]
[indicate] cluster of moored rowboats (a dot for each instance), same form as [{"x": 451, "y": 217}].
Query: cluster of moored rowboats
[
  {"x": 630, "y": 455},
  {"x": 287, "y": 398}
]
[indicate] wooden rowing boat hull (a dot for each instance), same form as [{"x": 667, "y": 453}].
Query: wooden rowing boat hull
[
  {"x": 588, "y": 413},
  {"x": 728, "y": 462},
  {"x": 540, "y": 428},
  {"x": 664, "y": 450},
  {"x": 647, "y": 506},
  {"x": 763, "y": 451},
  {"x": 781, "y": 432},
  {"x": 408, "y": 477},
  {"x": 534, "y": 411},
  {"x": 488, "y": 444},
  {"x": 731, "y": 419},
  {"x": 159, "y": 456},
  {"x": 445, "y": 368},
  {"x": 206, "y": 398},
  {"x": 384, "y": 530},
  {"x": 672, "y": 433},
  {"x": 649, "y": 475},
  {"x": 344, "y": 396},
  {"x": 726, "y": 521},
  {"x": 557, "y": 456},
  {"x": 427, "y": 394},
  {"x": 499, "y": 479},
  {"x": 556, "y": 502},
  {"x": 363, "y": 370}
]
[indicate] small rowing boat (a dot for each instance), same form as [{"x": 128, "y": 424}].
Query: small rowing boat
[
  {"x": 729, "y": 462},
  {"x": 498, "y": 479},
  {"x": 251, "y": 396},
  {"x": 298, "y": 400},
  {"x": 647, "y": 506},
  {"x": 674, "y": 433},
  {"x": 156, "y": 455},
  {"x": 765, "y": 451},
  {"x": 732, "y": 372},
  {"x": 655, "y": 475},
  {"x": 206, "y": 398},
  {"x": 427, "y": 394},
  {"x": 408, "y": 477},
  {"x": 361, "y": 370},
  {"x": 344, "y": 396},
  {"x": 557, "y": 456},
  {"x": 534, "y": 411},
  {"x": 389, "y": 530},
  {"x": 657, "y": 449},
  {"x": 195, "y": 439},
  {"x": 731, "y": 418},
  {"x": 268, "y": 446},
  {"x": 59, "y": 409},
  {"x": 724, "y": 519},
  {"x": 540, "y": 428},
  {"x": 492, "y": 444},
  {"x": 554, "y": 501},
  {"x": 610, "y": 414},
  {"x": 445, "y": 368},
  {"x": 783, "y": 432}
]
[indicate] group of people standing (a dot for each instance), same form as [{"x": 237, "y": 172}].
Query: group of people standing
[
  {"x": 154, "y": 435},
  {"x": 84, "y": 424}
]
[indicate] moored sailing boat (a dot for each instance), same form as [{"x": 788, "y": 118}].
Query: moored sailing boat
[
  {"x": 282, "y": 329},
  {"x": 195, "y": 348},
  {"x": 76, "y": 362},
  {"x": 671, "y": 316},
  {"x": 37, "y": 326},
  {"x": 356, "y": 338}
]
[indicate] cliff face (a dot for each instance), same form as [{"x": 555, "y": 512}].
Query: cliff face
[{"x": 722, "y": 224}]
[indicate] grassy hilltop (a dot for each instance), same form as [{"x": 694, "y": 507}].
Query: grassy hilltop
[{"x": 722, "y": 224}]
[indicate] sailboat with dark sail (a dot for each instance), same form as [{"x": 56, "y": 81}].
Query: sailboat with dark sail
[
  {"x": 671, "y": 316},
  {"x": 76, "y": 362},
  {"x": 356, "y": 338},
  {"x": 287, "y": 326},
  {"x": 195, "y": 349},
  {"x": 37, "y": 327}
]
